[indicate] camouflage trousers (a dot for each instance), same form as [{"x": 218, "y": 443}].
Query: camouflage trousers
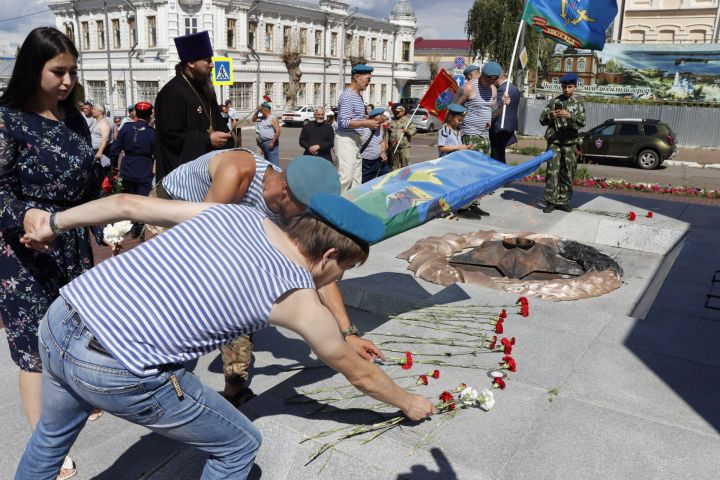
[
  {"x": 482, "y": 144},
  {"x": 401, "y": 158},
  {"x": 236, "y": 358},
  {"x": 561, "y": 171}
]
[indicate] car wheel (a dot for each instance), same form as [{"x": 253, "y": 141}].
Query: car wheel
[
  {"x": 648, "y": 159},
  {"x": 431, "y": 127}
]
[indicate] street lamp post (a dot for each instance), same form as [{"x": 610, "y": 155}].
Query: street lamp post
[
  {"x": 107, "y": 51},
  {"x": 131, "y": 52}
]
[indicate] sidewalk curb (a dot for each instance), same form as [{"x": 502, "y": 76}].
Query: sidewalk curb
[{"x": 675, "y": 163}]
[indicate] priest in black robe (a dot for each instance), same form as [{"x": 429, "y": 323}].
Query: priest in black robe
[{"x": 187, "y": 117}]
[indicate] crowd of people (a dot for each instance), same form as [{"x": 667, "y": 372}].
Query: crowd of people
[{"x": 254, "y": 245}]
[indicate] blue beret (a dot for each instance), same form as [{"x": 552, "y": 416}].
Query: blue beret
[
  {"x": 470, "y": 68},
  {"x": 131, "y": 108},
  {"x": 569, "y": 78},
  {"x": 347, "y": 218},
  {"x": 455, "y": 108},
  {"x": 492, "y": 69},
  {"x": 376, "y": 111},
  {"x": 267, "y": 105},
  {"x": 194, "y": 46},
  {"x": 361, "y": 68},
  {"x": 307, "y": 175}
]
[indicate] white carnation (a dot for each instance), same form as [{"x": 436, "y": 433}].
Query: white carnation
[
  {"x": 486, "y": 399},
  {"x": 113, "y": 233},
  {"x": 468, "y": 396}
]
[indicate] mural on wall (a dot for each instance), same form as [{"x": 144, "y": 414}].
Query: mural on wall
[{"x": 659, "y": 72}]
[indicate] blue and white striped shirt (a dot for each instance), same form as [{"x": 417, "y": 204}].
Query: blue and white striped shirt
[
  {"x": 191, "y": 182},
  {"x": 186, "y": 292},
  {"x": 372, "y": 151},
  {"x": 479, "y": 111},
  {"x": 351, "y": 107}
]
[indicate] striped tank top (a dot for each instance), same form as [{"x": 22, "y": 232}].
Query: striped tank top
[
  {"x": 479, "y": 111},
  {"x": 191, "y": 182},
  {"x": 211, "y": 279}
]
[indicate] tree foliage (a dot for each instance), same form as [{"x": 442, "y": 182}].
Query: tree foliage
[{"x": 491, "y": 28}]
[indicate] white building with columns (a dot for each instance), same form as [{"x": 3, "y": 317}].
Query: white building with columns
[{"x": 127, "y": 51}]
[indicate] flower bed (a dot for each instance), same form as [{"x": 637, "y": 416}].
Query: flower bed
[{"x": 619, "y": 184}]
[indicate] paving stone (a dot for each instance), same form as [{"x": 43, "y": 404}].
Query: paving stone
[{"x": 580, "y": 440}]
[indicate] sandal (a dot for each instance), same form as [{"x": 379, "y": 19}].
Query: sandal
[
  {"x": 95, "y": 414},
  {"x": 242, "y": 396},
  {"x": 67, "y": 470}
]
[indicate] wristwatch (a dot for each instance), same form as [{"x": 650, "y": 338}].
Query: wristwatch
[
  {"x": 351, "y": 330},
  {"x": 53, "y": 225}
]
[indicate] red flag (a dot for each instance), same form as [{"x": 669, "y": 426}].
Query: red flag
[{"x": 442, "y": 92}]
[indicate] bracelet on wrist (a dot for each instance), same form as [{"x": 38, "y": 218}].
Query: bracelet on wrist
[
  {"x": 351, "y": 330},
  {"x": 53, "y": 224}
]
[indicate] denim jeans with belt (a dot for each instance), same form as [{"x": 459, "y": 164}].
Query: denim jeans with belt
[
  {"x": 272, "y": 155},
  {"x": 76, "y": 378}
]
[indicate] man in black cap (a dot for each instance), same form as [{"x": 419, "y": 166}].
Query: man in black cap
[
  {"x": 353, "y": 128},
  {"x": 187, "y": 118},
  {"x": 564, "y": 116}
]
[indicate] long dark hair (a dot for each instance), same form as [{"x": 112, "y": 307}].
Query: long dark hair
[{"x": 41, "y": 45}]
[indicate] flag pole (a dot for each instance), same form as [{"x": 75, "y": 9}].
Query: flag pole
[
  {"x": 512, "y": 62},
  {"x": 413, "y": 114}
]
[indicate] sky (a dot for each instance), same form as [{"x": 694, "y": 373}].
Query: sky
[{"x": 434, "y": 21}]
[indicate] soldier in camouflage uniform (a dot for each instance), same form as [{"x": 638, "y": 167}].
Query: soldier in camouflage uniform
[
  {"x": 402, "y": 130},
  {"x": 564, "y": 116}
]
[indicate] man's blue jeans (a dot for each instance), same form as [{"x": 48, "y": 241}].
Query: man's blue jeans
[
  {"x": 75, "y": 379},
  {"x": 271, "y": 155}
]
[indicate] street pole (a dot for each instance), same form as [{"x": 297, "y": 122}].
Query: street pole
[
  {"x": 109, "y": 66},
  {"x": 131, "y": 52},
  {"x": 392, "y": 65},
  {"x": 324, "y": 82},
  {"x": 79, "y": 43}
]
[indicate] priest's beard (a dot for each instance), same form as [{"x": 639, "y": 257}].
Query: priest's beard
[{"x": 202, "y": 83}]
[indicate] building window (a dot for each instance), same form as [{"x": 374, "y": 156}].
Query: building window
[
  {"x": 637, "y": 36},
  {"x": 405, "y": 51},
  {"x": 696, "y": 36},
  {"x": 568, "y": 64},
  {"x": 361, "y": 47},
  {"x": 96, "y": 91},
  {"x": 147, "y": 91},
  {"x": 100, "y": 28},
  {"x": 303, "y": 41},
  {"x": 121, "y": 93},
  {"x": 285, "y": 88},
  {"x": 317, "y": 94},
  {"x": 132, "y": 31},
  {"x": 70, "y": 32},
  {"x": 348, "y": 44},
  {"x": 580, "y": 82},
  {"x": 372, "y": 93},
  {"x": 385, "y": 50},
  {"x": 241, "y": 95},
  {"x": 301, "y": 94},
  {"x": 287, "y": 34},
  {"x": 333, "y": 94},
  {"x": 190, "y": 25},
  {"x": 373, "y": 48},
  {"x": 555, "y": 81},
  {"x": 151, "y": 32},
  {"x": 666, "y": 36},
  {"x": 383, "y": 94},
  {"x": 269, "y": 38},
  {"x": 116, "y": 33},
  {"x": 85, "y": 32},
  {"x": 333, "y": 44},
  {"x": 581, "y": 65},
  {"x": 269, "y": 89},
  {"x": 318, "y": 42},
  {"x": 231, "y": 24}
]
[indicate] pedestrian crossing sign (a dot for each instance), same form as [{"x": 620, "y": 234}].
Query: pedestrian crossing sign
[{"x": 222, "y": 73}]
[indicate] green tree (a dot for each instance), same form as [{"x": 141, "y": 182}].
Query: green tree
[{"x": 491, "y": 28}]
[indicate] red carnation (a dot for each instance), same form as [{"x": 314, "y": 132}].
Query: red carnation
[
  {"x": 461, "y": 387},
  {"x": 493, "y": 343},
  {"x": 522, "y": 301},
  {"x": 446, "y": 396},
  {"x": 436, "y": 374},
  {"x": 509, "y": 363},
  {"x": 503, "y": 314},
  {"x": 508, "y": 349},
  {"x": 106, "y": 185},
  {"x": 632, "y": 216},
  {"x": 408, "y": 362},
  {"x": 649, "y": 215},
  {"x": 422, "y": 380},
  {"x": 499, "y": 327},
  {"x": 499, "y": 383},
  {"x": 525, "y": 310},
  {"x": 451, "y": 406},
  {"x": 512, "y": 341}
]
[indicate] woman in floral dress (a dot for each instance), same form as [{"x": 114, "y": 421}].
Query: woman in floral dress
[{"x": 45, "y": 162}]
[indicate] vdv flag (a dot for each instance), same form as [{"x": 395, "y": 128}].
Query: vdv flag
[
  {"x": 575, "y": 23},
  {"x": 441, "y": 93}
]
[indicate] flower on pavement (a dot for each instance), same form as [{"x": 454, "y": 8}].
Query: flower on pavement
[
  {"x": 422, "y": 380},
  {"x": 446, "y": 396},
  {"x": 435, "y": 374},
  {"x": 503, "y": 314},
  {"x": 508, "y": 362},
  {"x": 486, "y": 399},
  {"x": 632, "y": 216},
  {"x": 460, "y": 387},
  {"x": 493, "y": 343},
  {"x": 407, "y": 362},
  {"x": 468, "y": 396},
  {"x": 499, "y": 327},
  {"x": 499, "y": 383},
  {"x": 649, "y": 215}
]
